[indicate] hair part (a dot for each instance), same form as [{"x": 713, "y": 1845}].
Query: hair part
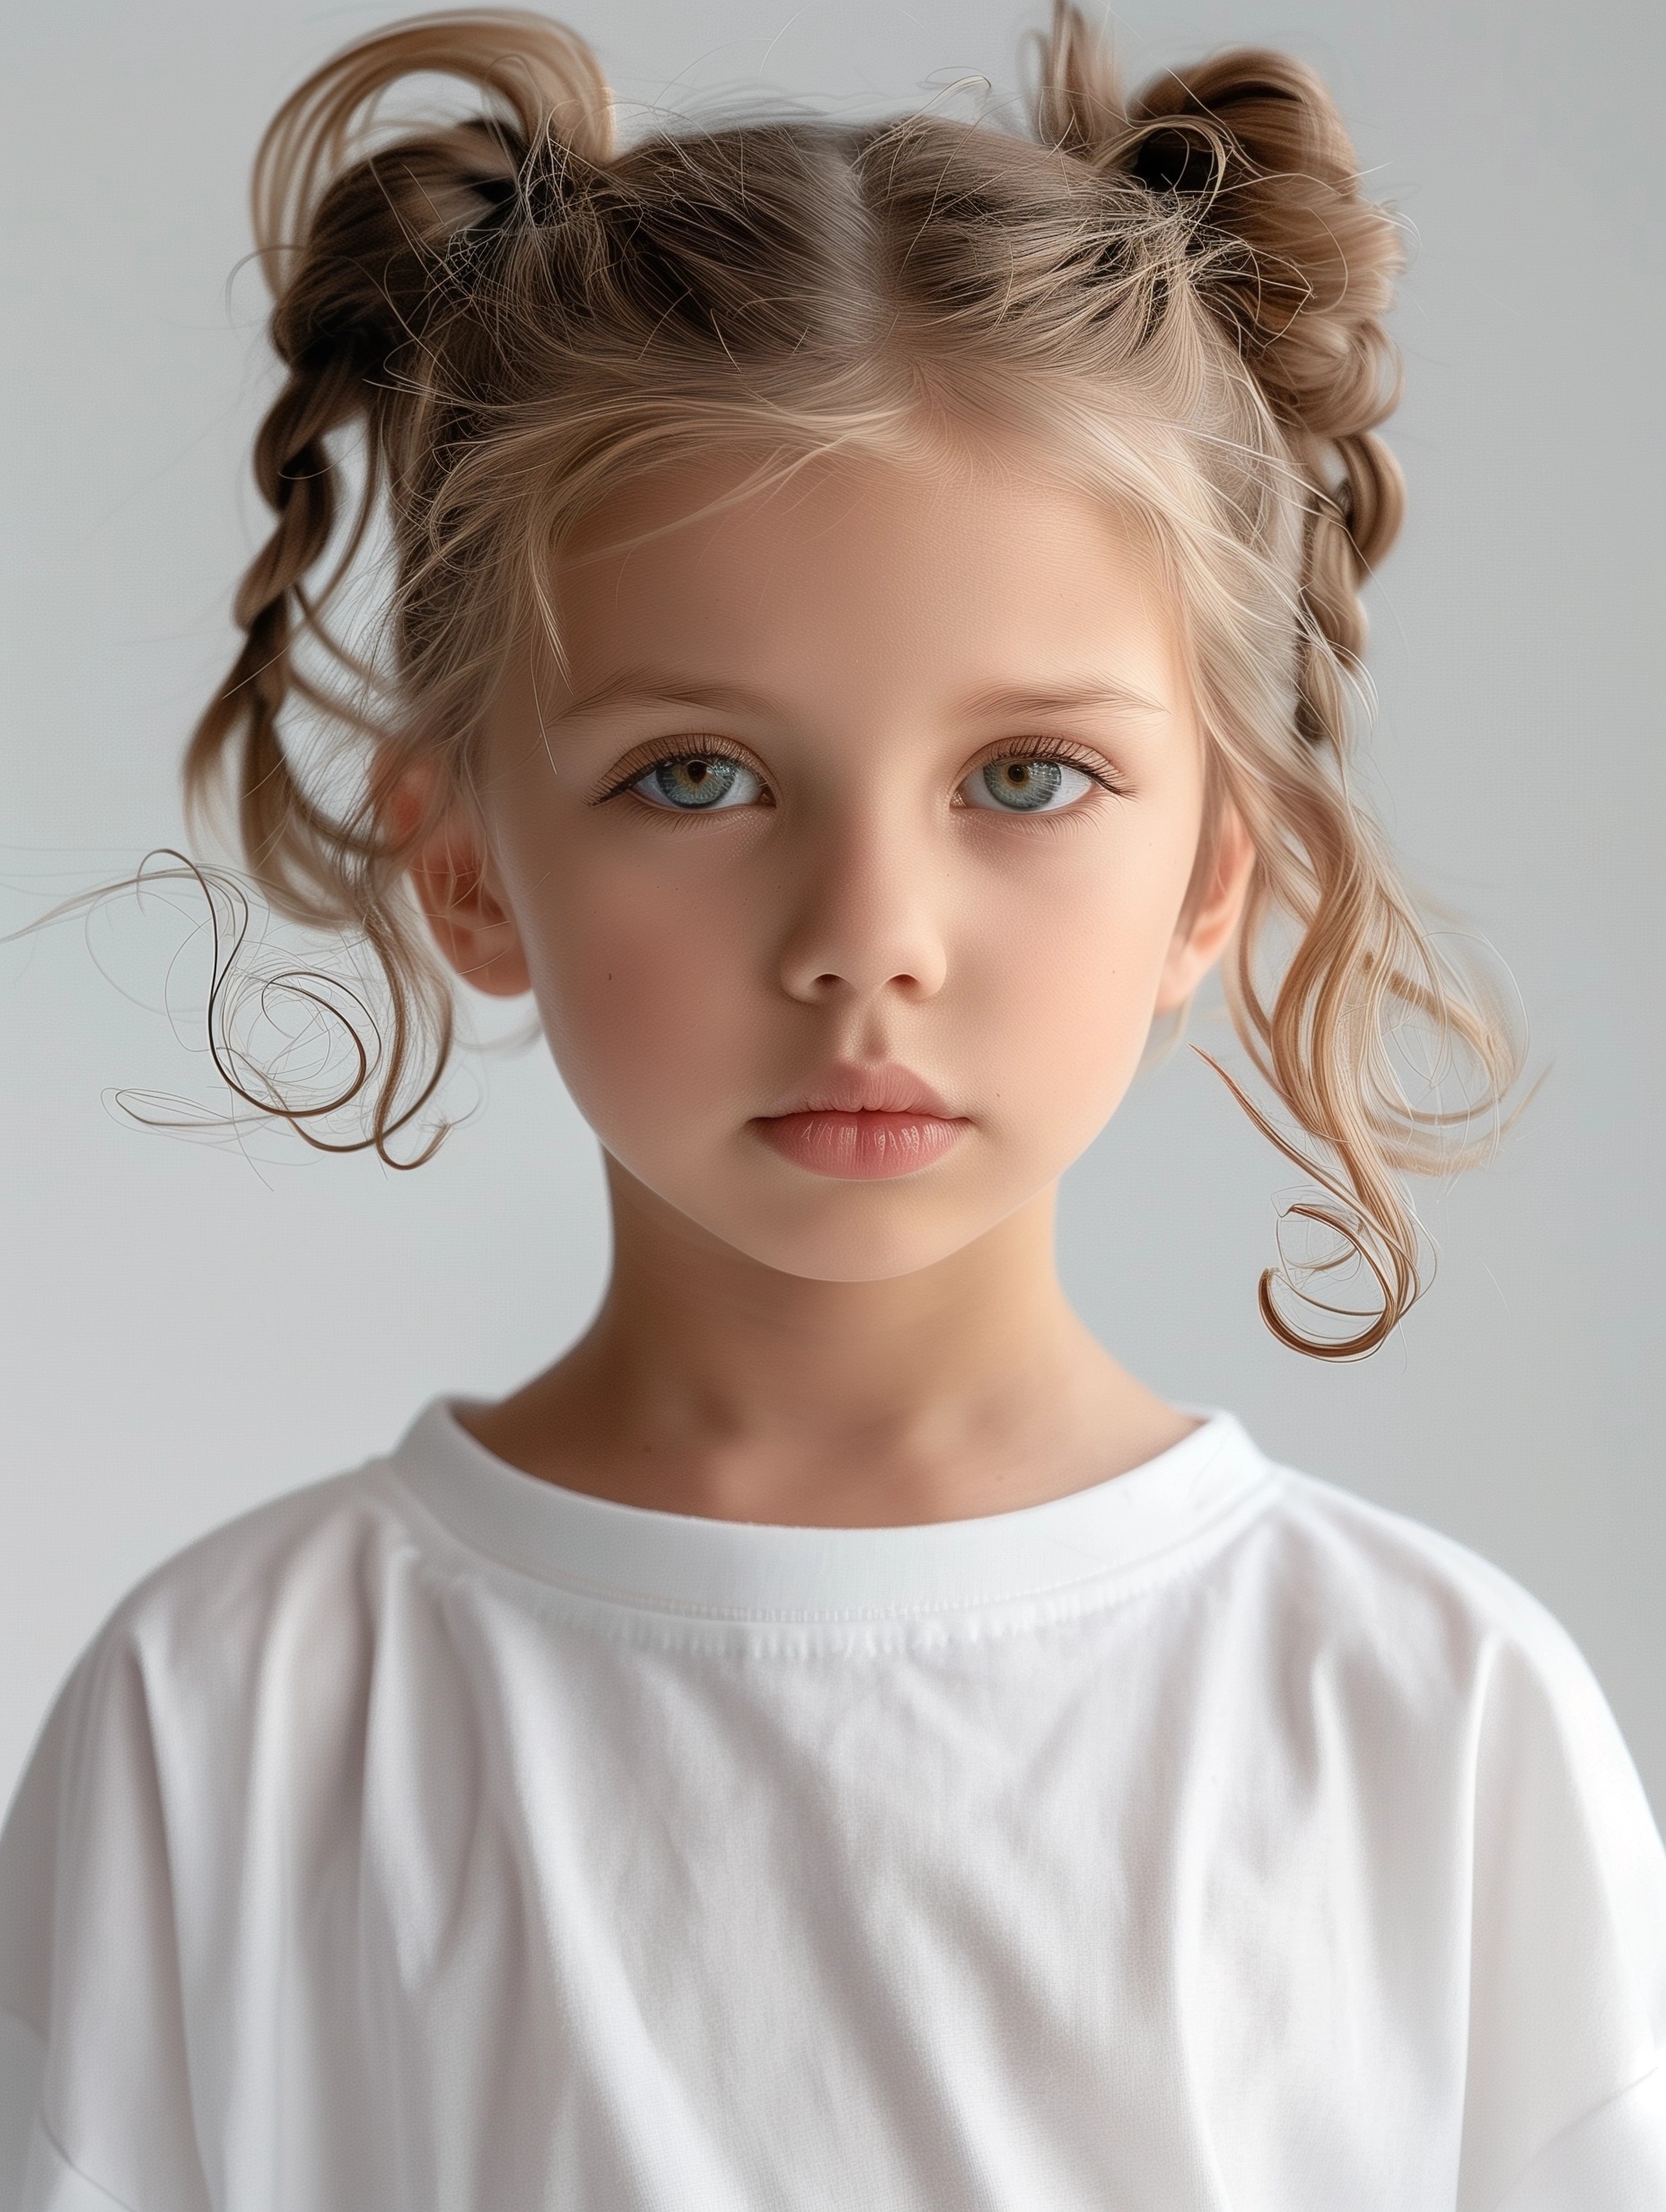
[{"x": 1182, "y": 295}]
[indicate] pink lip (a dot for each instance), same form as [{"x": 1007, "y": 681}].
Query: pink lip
[{"x": 863, "y": 1124}]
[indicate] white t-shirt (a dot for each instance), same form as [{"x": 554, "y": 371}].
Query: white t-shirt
[{"x": 437, "y": 1839}]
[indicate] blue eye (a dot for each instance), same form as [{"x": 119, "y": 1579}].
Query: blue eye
[
  {"x": 1022, "y": 785},
  {"x": 699, "y": 783}
]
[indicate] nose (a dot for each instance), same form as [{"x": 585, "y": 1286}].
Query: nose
[{"x": 867, "y": 918}]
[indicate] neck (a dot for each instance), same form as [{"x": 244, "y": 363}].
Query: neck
[{"x": 712, "y": 1384}]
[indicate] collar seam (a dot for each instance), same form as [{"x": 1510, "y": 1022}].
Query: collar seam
[{"x": 1135, "y": 1573}]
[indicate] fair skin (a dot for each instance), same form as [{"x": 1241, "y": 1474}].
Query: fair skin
[{"x": 849, "y": 860}]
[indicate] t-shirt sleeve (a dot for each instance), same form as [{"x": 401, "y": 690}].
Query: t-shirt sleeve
[
  {"x": 96, "y": 2115},
  {"x": 1565, "y": 2107}
]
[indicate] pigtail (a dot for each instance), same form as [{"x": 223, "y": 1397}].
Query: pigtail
[
  {"x": 355, "y": 250},
  {"x": 1283, "y": 251},
  {"x": 365, "y": 247}
]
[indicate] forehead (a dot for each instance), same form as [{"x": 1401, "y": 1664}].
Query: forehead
[{"x": 852, "y": 571}]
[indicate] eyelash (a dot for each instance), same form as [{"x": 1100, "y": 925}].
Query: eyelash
[
  {"x": 640, "y": 763},
  {"x": 637, "y": 765},
  {"x": 1093, "y": 764}
]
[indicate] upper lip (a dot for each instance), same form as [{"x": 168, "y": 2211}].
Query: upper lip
[{"x": 876, "y": 1087}]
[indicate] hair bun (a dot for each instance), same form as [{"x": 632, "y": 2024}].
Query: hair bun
[
  {"x": 1254, "y": 140},
  {"x": 1287, "y": 251},
  {"x": 536, "y": 80}
]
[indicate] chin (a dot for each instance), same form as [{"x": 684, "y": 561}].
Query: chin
[{"x": 856, "y": 1237}]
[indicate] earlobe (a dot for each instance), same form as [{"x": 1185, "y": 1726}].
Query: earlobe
[
  {"x": 455, "y": 881},
  {"x": 1207, "y": 927}
]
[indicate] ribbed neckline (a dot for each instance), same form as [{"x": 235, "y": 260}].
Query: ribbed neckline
[{"x": 679, "y": 1563}]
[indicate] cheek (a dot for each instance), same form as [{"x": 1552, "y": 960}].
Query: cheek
[
  {"x": 1061, "y": 976},
  {"x": 642, "y": 985}
]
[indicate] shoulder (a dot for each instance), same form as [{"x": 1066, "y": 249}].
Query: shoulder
[
  {"x": 1355, "y": 1575},
  {"x": 268, "y": 1624},
  {"x": 1423, "y": 1645},
  {"x": 1352, "y": 1623},
  {"x": 1477, "y": 1716},
  {"x": 309, "y": 1551},
  {"x": 224, "y": 1698}
]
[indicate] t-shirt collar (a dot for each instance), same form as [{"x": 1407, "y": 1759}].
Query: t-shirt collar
[{"x": 745, "y": 1571}]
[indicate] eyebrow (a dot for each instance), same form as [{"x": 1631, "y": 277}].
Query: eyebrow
[
  {"x": 645, "y": 687},
  {"x": 1006, "y": 700}
]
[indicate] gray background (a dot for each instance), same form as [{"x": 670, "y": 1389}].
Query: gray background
[{"x": 188, "y": 1328}]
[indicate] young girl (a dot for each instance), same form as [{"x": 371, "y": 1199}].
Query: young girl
[{"x": 873, "y": 623}]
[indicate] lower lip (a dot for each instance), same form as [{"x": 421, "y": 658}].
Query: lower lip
[{"x": 860, "y": 1147}]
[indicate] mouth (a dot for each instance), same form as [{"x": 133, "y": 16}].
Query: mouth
[{"x": 863, "y": 1124}]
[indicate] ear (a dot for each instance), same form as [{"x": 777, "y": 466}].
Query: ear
[
  {"x": 457, "y": 885},
  {"x": 1210, "y": 916}
]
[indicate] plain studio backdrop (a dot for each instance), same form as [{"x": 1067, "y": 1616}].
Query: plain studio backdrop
[{"x": 189, "y": 1328}]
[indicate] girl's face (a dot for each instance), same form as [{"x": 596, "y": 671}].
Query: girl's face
[{"x": 848, "y": 859}]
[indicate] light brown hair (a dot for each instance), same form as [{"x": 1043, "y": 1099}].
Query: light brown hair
[{"x": 1181, "y": 296}]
